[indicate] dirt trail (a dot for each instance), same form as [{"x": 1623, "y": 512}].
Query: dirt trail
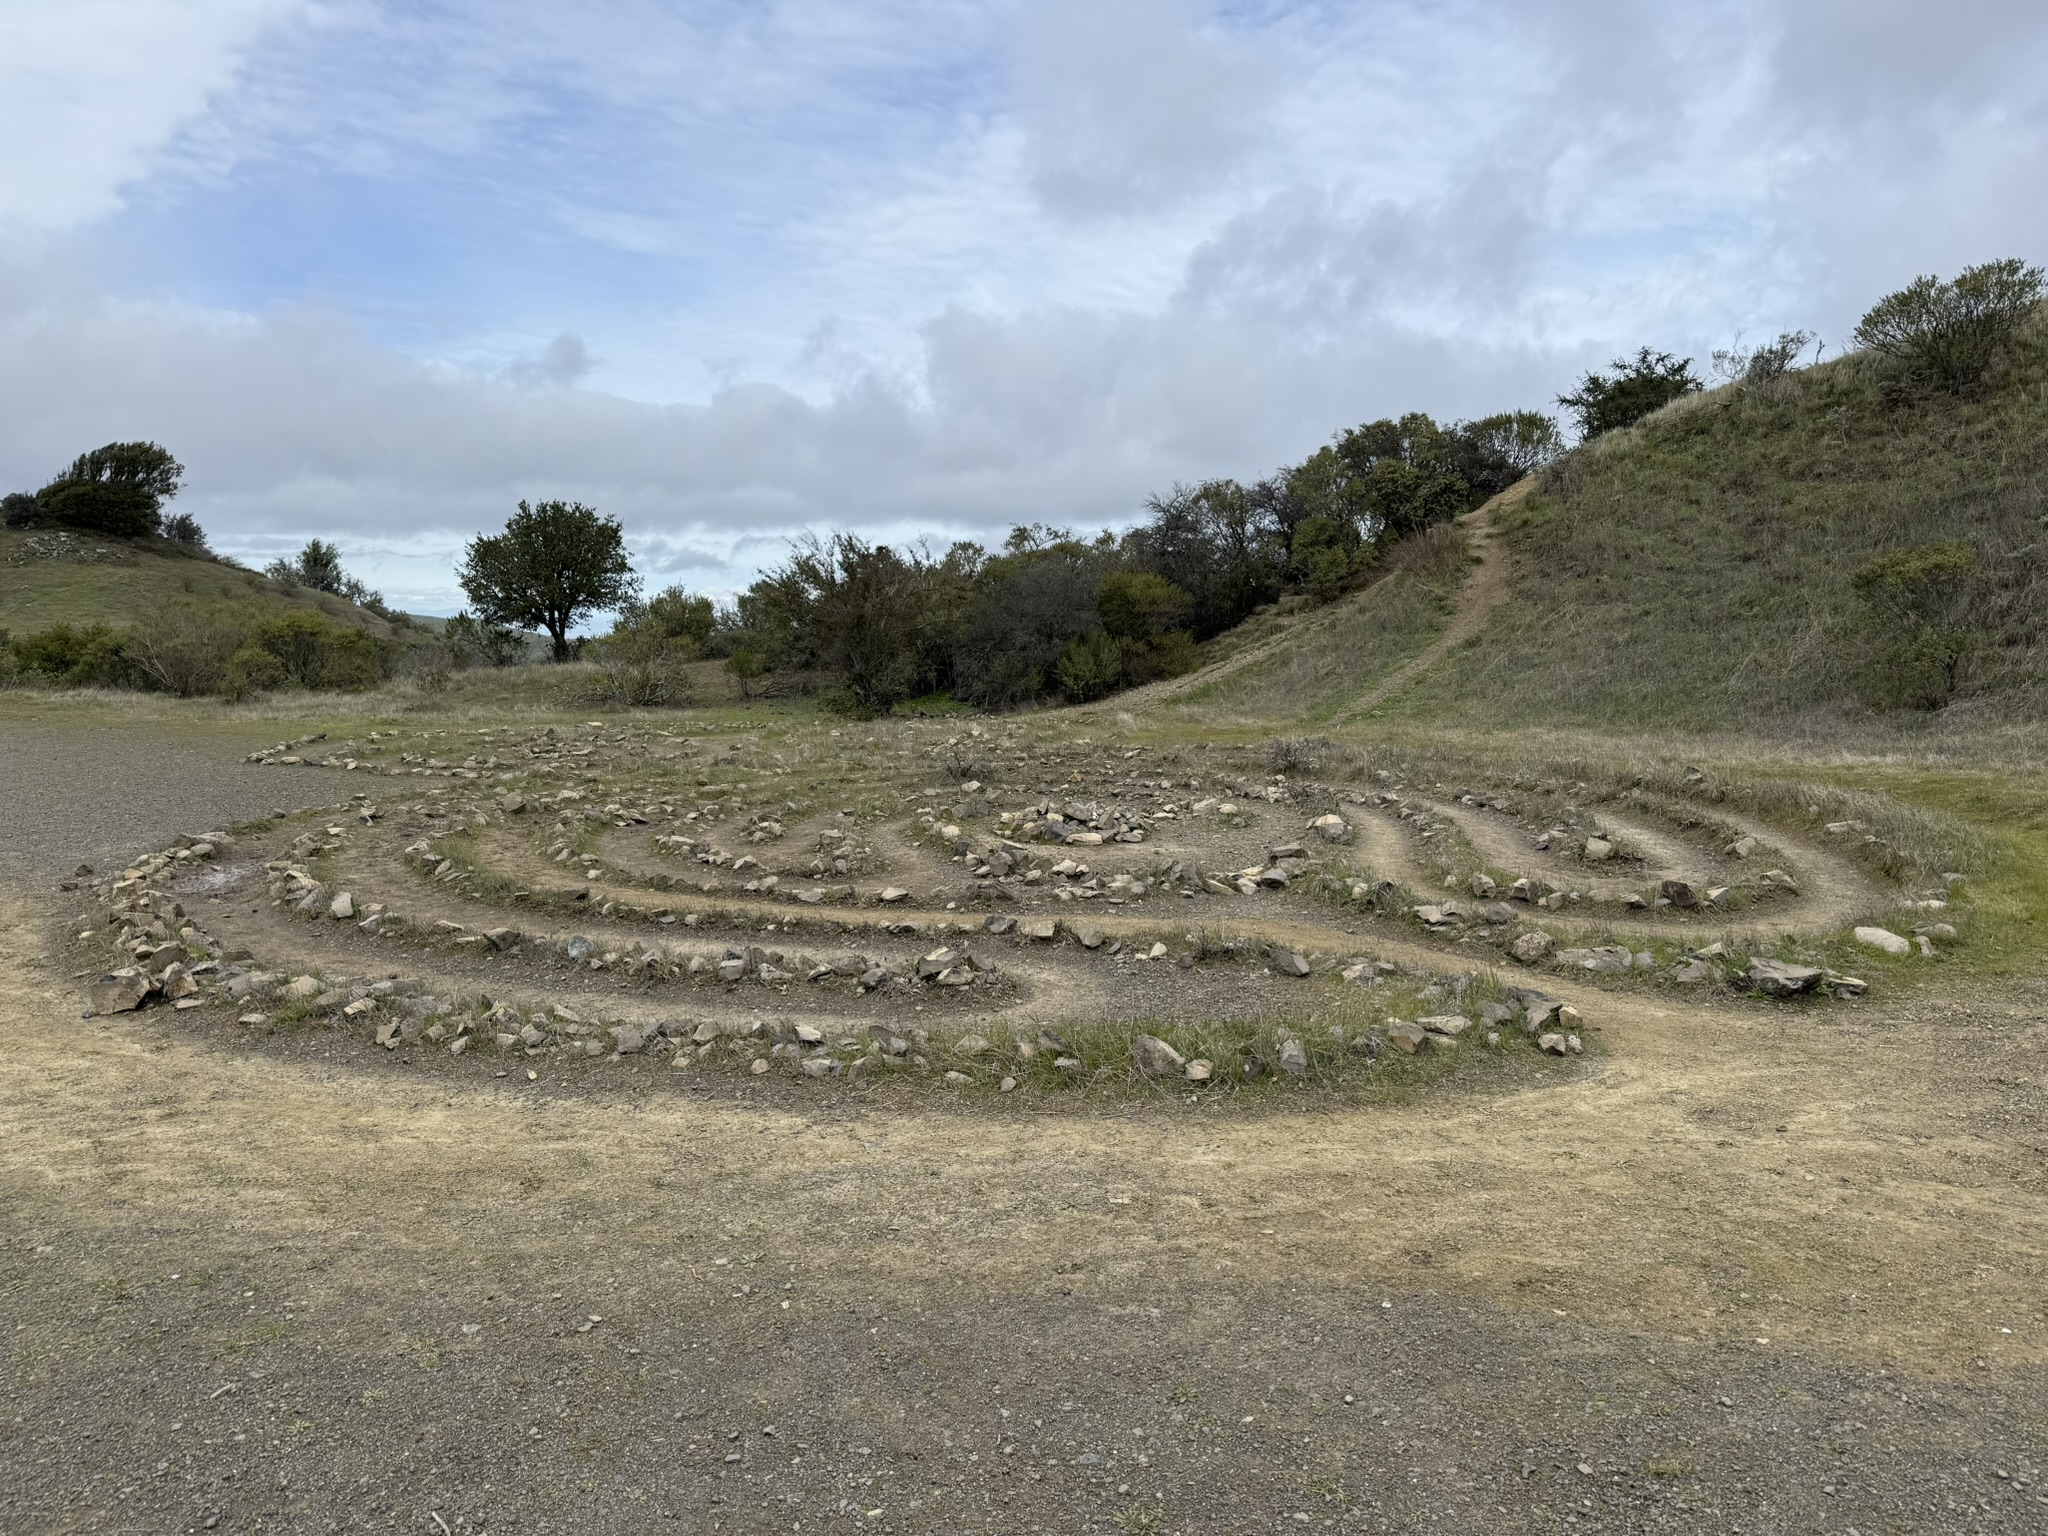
[{"x": 1483, "y": 591}]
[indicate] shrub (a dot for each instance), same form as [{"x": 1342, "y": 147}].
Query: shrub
[
  {"x": 184, "y": 529},
  {"x": 1639, "y": 385},
  {"x": 1090, "y": 667},
  {"x": 1764, "y": 364},
  {"x": 319, "y": 567},
  {"x": 474, "y": 642},
  {"x": 1926, "y": 608},
  {"x": 82, "y": 656},
  {"x": 1951, "y": 333},
  {"x": 309, "y": 652},
  {"x": 641, "y": 669},
  {"x": 185, "y": 648}
]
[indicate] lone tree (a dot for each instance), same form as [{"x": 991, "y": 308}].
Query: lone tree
[
  {"x": 555, "y": 562},
  {"x": 319, "y": 567},
  {"x": 118, "y": 490},
  {"x": 1640, "y": 385}
]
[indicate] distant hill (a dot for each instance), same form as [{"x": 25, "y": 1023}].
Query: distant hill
[{"x": 48, "y": 576}]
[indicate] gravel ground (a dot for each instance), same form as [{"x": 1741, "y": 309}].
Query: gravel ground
[
  {"x": 418, "y": 1309},
  {"x": 101, "y": 794}
]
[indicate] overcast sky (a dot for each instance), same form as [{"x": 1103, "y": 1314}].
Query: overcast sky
[{"x": 377, "y": 269}]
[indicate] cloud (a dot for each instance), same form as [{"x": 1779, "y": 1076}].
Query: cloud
[{"x": 933, "y": 266}]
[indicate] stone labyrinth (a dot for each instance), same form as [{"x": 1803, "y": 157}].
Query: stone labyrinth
[{"x": 981, "y": 909}]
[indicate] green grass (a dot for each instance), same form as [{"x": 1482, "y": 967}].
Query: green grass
[
  {"x": 1695, "y": 570},
  {"x": 148, "y": 573}
]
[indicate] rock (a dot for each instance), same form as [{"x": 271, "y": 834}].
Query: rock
[
  {"x": 254, "y": 1019},
  {"x": 501, "y": 938},
  {"x": 971, "y": 1045},
  {"x": 998, "y": 923},
  {"x": 1289, "y": 963},
  {"x": 935, "y": 963},
  {"x": 732, "y": 970},
  {"x": 515, "y": 803},
  {"x": 1007, "y": 1085},
  {"x": 1332, "y": 829},
  {"x": 1607, "y": 957},
  {"x": 1293, "y": 1058},
  {"x": 1697, "y": 973},
  {"x": 1779, "y": 978},
  {"x": 958, "y": 1079},
  {"x": 1274, "y": 878},
  {"x": 1937, "y": 931},
  {"x": 1926, "y": 946},
  {"x": 303, "y": 989},
  {"x": 1743, "y": 847},
  {"x": 1086, "y": 839},
  {"x": 177, "y": 982},
  {"x": 1498, "y": 913},
  {"x": 342, "y": 907},
  {"x": 1552, "y": 1045},
  {"x": 1449, "y": 1025},
  {"x": 1598, "y": 850},
  {"x": 1483, "y": 886},
  {"x": 820, "y": 1066},
  {"x": 891, "y": 894},
  {"x": 1042, "y": 928},
  {"x": 1678, "y": 893},
  {"x": 1533, "y": 946},
  {"x": 119, "y": 991},
  {"x": 1884, "y": 939},
  {"x": 1087, "y": 935},
  {"x": 1407, "y": 1037},
  {"x": 1199, "y": 1071},
  {"x": 628, "y": 1038},
  {"x": 1153, "y": 1057},
  {"x": 1067, "y": 1064}
]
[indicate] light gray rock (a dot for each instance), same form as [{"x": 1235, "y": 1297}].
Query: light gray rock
[
  {"x": 1884, "y": 939},
  {"x": 342, "y": 907},
  {"x": 1289, "y": 963},
  {"x": 1293, "y": 1058},
  {"x": 1779, "y": 978},
  {"x": 1533, "y": 946}
]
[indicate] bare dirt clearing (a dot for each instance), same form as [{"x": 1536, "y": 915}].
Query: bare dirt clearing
[{"x": 303, "y": 1281}]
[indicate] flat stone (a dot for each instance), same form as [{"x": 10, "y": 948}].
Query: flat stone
[
  {"x": 1779, "y": 978},
  {"x": 999, "y": 923},
  {"x": 119, "y": 991},
  {"x": 1042, "y": 928},
  {"x": 820, "y": 1066},
  {"x": 891, "y": 894},
  {"x": 1087, "y": 935},
  {"x": 1450, "y": 1025},
  {"x": 1884, "y": 939},
  {"x": 971, "y": 1045},
  {"x": 1289, "y": 963}
]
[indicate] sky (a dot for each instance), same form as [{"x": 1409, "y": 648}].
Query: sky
[{"x": 376, "y": 270}]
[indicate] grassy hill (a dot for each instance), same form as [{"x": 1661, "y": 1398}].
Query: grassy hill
[
  {"x": 48, "y": 577},
  {"x": 1700, "y": 568}
]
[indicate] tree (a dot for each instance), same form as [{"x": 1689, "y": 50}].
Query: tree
[
  {"x": 118, "y": 490},
  {"x": 1640, "y": 385},
  {"x": 472, "y": 642},
  {"x": 555, "y": 563},
  {"x": 319, "y": 567},
  {"x": 184, "y": 529},
  {"x": 1951, "y": 333}
]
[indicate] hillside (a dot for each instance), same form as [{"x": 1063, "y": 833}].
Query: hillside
[
  {"x": 1699, "y": 569},
  {"x": 51, "y": 577}
]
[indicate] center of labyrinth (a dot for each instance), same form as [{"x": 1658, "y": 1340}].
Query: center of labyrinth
[{"x": 991, "y": 910}]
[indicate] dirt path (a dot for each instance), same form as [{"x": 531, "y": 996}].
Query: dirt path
[{"x": 1483, "y": 592}]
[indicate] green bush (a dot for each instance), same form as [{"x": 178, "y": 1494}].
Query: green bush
[
  {"x": 82, "y": 656},
  {"x": 1641, "y": 384},
  {"x": 1090, "y": 667},
  {"x": 1925, "y": 607},
  {"x": 1950, "y": 334}
]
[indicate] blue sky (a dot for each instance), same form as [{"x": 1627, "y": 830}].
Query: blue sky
[{"x": 375, "y": 271}]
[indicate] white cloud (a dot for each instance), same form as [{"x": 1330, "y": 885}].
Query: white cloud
[{"x": 942, "y": 265}]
